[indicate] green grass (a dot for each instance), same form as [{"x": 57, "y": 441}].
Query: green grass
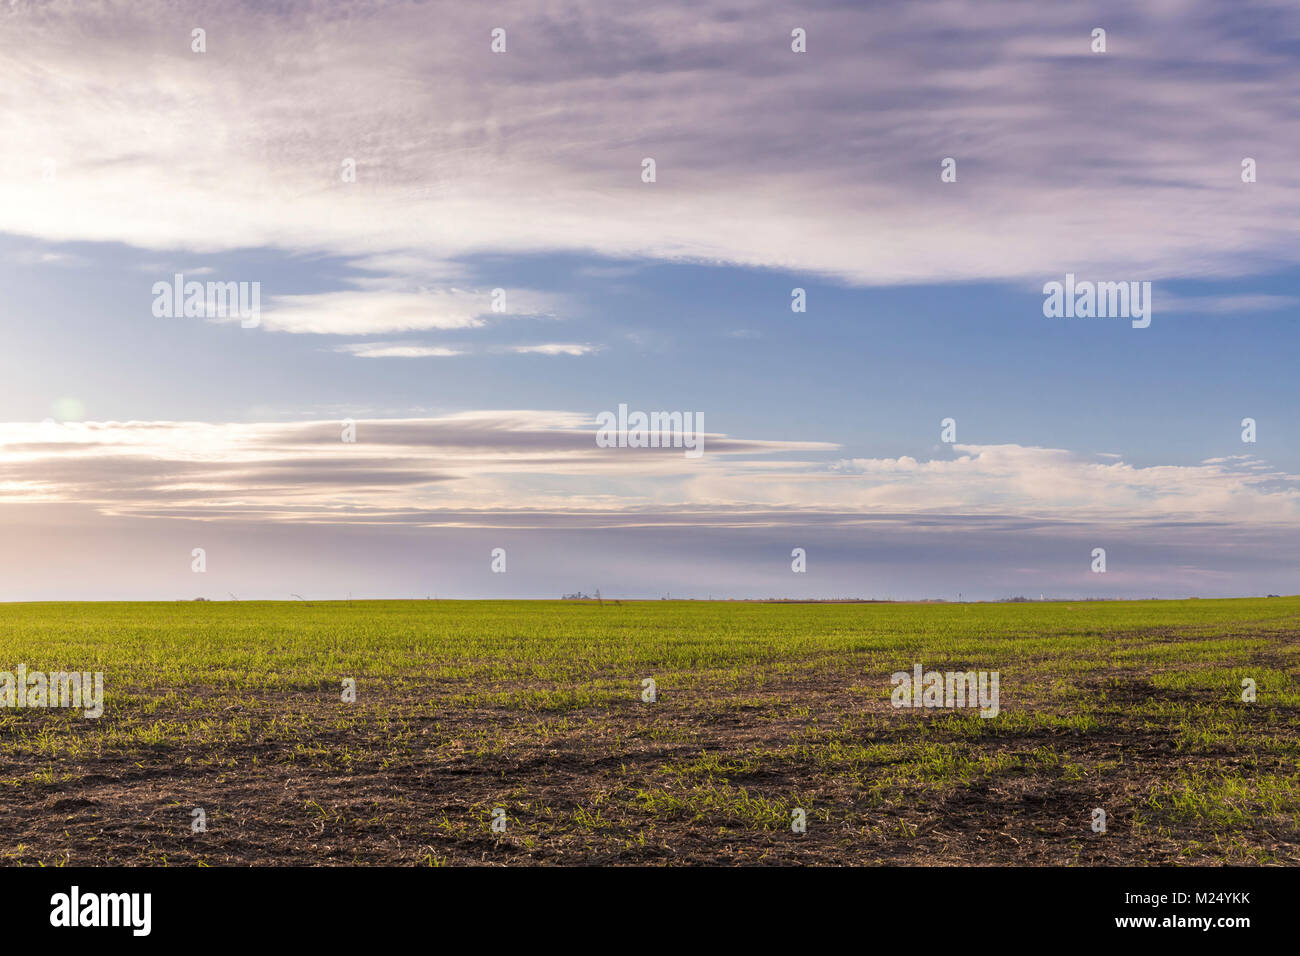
[{"x": 535, "y": 706}]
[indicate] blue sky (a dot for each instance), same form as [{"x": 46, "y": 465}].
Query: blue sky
[
  {"x": 872, "y": 369},
  {"x": 127, "y": 439}
]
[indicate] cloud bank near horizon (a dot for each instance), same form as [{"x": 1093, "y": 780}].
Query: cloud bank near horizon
[{"x": 516, "y": 463}]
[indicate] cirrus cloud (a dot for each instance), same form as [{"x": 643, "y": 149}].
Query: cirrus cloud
[{"x": 824, "y": 162}]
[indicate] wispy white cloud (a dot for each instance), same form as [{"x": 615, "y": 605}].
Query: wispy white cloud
[
  {"x": 361, "y": 312},
  {"x": 47, "y": 258},
  {"x": 397, "y": 350},
  {"x": 556, "y": 348}
]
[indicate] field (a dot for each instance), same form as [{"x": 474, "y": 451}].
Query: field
[{"x": 536, "y": 708}]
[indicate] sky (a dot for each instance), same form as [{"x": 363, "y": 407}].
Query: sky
[{"x": 460, "y": 264}]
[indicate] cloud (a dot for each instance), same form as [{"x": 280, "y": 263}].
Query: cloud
[
  {"x": 1045, "y": 482},
  {"x": 556, "y": 348},
  {"x": 361, "y": 312},
  {"x": 38, "y": 258},
  {"x": 396, "y": 350},
  {"x": 1124, "y": 163},
  {"x": 514, "y": 465},
  {"x": 493, "y": 459}
]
